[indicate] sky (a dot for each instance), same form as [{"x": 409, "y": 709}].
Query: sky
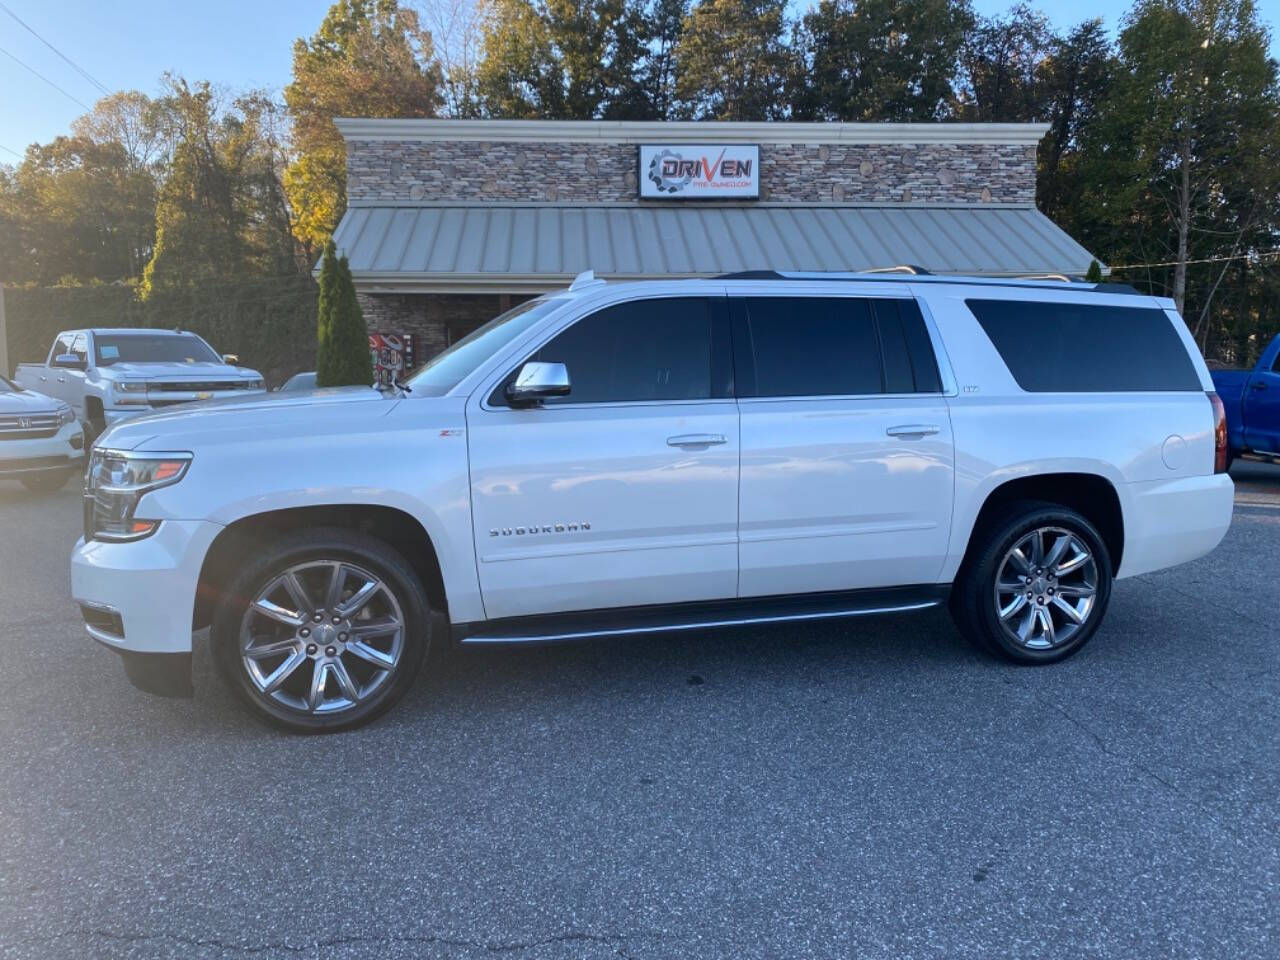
[{"x": 239, "y": 44}]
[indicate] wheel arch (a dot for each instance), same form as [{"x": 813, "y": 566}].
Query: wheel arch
[
  {"x": 399, "y": 529},
  {"x": 1092, "y": 495}
]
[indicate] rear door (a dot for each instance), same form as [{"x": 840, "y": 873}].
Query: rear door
[
  {"x": 1262, "y": 410},
  {"x": 847, "y": 458},
  {"x": 625, "y": 492}
]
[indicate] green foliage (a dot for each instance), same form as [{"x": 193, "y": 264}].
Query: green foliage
[
  {"x": 732, "y": 61},
  {"x": 342, "y": 357},
  {"x": 270, "y": 324},
  {"x": 76, "y": 210},
  {"x": 221, "y": 213},
  {"x": 878, "y": 59},
  {"x": 564, "y": 59},
  {"x": 370, "y": 58},
  {"x": 1094, "y": 273}
]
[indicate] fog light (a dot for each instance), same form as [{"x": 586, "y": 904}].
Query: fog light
[{"x": 77, "y": 441}]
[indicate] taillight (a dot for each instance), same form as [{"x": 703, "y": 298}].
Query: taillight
[{"x": 1219, "y": 433}]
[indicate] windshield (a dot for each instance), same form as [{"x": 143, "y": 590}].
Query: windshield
[
  {"x": 445, "y": 371},
  {"x": 152, "y": 348}
]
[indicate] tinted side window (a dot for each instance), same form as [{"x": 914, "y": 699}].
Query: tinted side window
[
  {"x": 60, "y": 346},
  {"x": 80, "y": 347},
  {"x": 924, "y": 364},
  {"x": 1082, "y": 348},
  {"x": 642, "y": 350},
  {"x": 813, "y": 346}
]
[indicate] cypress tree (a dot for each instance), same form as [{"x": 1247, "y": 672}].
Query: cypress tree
[
  {"x": 1094, "y": 274},
  {"x": 342, "y": 341}
]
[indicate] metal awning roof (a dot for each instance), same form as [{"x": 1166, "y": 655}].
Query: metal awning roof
[{"x": 521, "y": 248}]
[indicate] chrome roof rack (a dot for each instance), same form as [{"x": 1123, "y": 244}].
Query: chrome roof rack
[{"x": 907, "y": 268}]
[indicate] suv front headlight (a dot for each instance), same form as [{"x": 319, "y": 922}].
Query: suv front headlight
[{"x": 114, "y": 485}]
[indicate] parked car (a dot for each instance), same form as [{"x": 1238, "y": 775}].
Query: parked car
[
  {"x": 41, "y": 444},
  {"x": 107, "y": 375},
  {"x": 299, "y": 381},
  {"x": 665, "y": 455},
  {"x": 1252, "y": 402}
]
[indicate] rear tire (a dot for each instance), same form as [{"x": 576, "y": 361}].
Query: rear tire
[
  {"x": 1036, "y": 585},
  {"x": 345, "y": 630},
  {"x": 47, "y": 482}
]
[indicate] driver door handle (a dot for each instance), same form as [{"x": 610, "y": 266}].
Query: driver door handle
[
  {"x": 697, "y": 440},
  {"x": 913, "y": 431}
]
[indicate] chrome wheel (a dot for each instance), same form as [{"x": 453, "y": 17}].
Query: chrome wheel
[
  {"x": 322, "y": 637},
  {"x": 1046, "y": 588}
]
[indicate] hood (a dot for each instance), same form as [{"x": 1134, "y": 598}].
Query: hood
[
  {"x": 178, "y": 371},
  {"x": 181, "y": 427},
  {"x": 28, "y": 401}
]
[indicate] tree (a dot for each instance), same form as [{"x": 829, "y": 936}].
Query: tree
[
  {"x": 370, "y": 58},
  {"x": 732, "y": 62},
  {"x": 141, "y": 126},
  {"x": 221, "y": 213},
  {"x": 80, "y": 213},
  {"x": 1075, "y": 77},
  {"x": 1000, "y": 63},
  {"x": 342, "y": 355},
  {"x": 878, "y": 59},
  {"x": 1190, "y": 138},
  {"x": 561, "y": 59},
  {"x": 457, "y": 32},
  {"x": 665, "y": 21}
]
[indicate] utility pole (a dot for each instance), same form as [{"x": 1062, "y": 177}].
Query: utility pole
[{"x": 4, "y": 337}]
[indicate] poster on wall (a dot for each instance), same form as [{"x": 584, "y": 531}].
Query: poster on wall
[
  {"x": 691, "y": 171},
  {"x": 392, "y": 355}
]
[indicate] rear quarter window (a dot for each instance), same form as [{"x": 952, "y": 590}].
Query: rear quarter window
[{"x": 1086, "y": 348}]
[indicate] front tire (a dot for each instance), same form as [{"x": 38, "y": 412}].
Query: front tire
[
  {"x": 322, "y": 631},
  {"x": 1036, "y": 587}
]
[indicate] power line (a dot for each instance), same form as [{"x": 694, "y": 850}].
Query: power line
[
  {"x": 1174, "y": 263},
  {"x": 74, "y": 66},
  {"x": 45, "y": 79},
  {"x": 7, "y": 150}
]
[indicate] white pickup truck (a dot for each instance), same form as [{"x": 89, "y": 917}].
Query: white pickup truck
[
  {"x": 667, "y": 455},
  {"x": 109, "y": 374}
]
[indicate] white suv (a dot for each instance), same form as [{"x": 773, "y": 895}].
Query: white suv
[{"x": 667, "y": 455}]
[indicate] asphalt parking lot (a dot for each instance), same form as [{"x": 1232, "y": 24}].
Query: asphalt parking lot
[{"x": 858, "y": 789}]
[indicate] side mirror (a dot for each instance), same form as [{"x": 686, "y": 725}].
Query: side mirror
[
  {"x": 535, "y": 381},
  {"x": 231, "y": 358},
  {"x": 70, "y": 361}
]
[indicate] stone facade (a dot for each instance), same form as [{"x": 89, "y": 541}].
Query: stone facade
[
  {"x": 434, "y": 320},
  {"x": 407, "y": 171}
]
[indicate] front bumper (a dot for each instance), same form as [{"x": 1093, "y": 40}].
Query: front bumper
[
  {"x": 150, "y": 585},
  {"x": 43, "y": 455}
]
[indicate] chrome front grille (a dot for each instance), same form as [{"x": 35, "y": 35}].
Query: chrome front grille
[
  {"x": 34, "y": 426},
  {"x": 197, "y": 386}
]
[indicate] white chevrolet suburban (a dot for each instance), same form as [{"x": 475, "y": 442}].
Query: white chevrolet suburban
[
  {"x": 640, "y": 457},
  {"x": 107, "y": 375}
]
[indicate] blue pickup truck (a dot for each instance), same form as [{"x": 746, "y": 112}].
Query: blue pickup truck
[{"x": 1252, "y": 399}]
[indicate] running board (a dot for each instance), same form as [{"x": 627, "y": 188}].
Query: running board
[{"x": 630, "y": 621}]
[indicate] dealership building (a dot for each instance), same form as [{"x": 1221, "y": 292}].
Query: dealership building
[{"x": 449, "y": 222}]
